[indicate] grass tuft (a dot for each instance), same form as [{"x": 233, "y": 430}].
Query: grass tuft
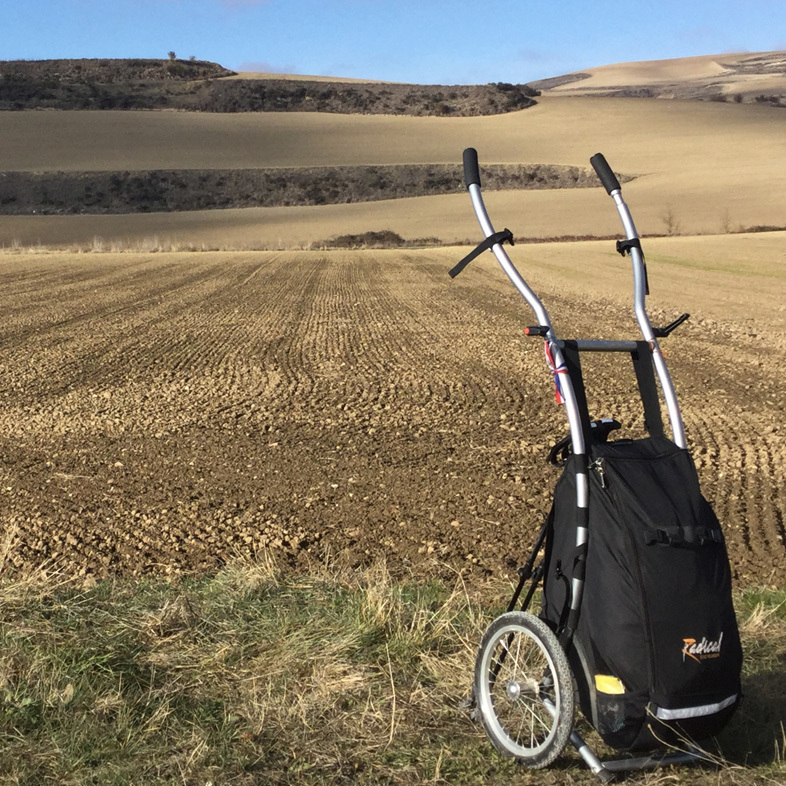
[{"x": 256, "y": 675}]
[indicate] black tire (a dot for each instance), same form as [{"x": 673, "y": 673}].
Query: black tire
[{"x": 524, "y": 689}]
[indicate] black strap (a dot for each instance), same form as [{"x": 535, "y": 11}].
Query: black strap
[
  {"x": 570, "y": 352},
  {"x": 498, "y": 237},
  {"x": 695, "y": 536},
  {"x": 624, "y": 247},
  {"x": 645, "y": 376}
]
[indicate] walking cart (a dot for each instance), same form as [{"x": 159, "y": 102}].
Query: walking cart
[{"x": 636, "y": 622}]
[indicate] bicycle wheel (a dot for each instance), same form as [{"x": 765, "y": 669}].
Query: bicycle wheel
[{"x": 524, "y": 689}]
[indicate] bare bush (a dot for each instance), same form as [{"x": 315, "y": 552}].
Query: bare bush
[{"x": 670, "y": 221}]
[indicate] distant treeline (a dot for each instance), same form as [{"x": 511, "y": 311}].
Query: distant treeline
[
  {"x": 196, "y": 85},
  {"x": 286, "y": 95},
  {"x": 24, "y": 193}
]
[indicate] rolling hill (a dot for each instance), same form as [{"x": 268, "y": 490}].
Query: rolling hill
[
  {"x": 743, "y": 78},
  {"x": 707, "y": 166}
]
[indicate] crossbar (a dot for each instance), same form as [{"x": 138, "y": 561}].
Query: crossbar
[{"x": 592, "y": 345}]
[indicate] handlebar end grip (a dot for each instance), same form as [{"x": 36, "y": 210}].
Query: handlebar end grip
[
  {"x": 471, "y": 167},
  {"x": 605, "y": 173}
]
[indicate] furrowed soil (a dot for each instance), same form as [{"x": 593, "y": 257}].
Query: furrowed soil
[{"x": 165, "y": 412}]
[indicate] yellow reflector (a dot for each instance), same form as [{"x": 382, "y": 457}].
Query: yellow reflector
[{"x": 604, "y": 683}]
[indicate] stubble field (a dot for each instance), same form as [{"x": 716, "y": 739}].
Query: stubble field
[
  {"x": 163, "y": 413},
  {"x": 713, "y": 166}
]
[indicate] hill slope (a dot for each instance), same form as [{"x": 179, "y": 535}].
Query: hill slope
[
  {"x": 25, "y": 193},
  {"x": 706, "y": 166},
  {"x": 715, "y": 165},
  {"x": 196, "y": 85},
  {"x": 743, "y": 78}
]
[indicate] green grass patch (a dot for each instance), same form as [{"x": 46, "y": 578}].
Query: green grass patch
[
  {"x": 728, "y": 265},
  {"x": 254, "y": 676}
]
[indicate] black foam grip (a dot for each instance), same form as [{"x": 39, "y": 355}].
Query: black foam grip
[
  {"x": 471, "y": 168},
  {"x": 603, "y": 170}
]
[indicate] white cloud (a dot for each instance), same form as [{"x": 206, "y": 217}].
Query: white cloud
[{"x": 263, "y": 67}]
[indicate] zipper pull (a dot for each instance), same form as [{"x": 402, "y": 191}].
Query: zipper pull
[{"x": 597, "y": 465}]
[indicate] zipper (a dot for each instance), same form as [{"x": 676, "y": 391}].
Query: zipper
[{"x": 600, "y": 470}]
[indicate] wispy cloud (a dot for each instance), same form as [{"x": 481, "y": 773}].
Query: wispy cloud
[
  {"x": 534, "y": 56},
  {"x": 263, "y": 67}
]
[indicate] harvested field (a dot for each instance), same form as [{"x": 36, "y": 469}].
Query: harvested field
[
  {"x": 164, "y": 412},
  {"x": 672, "y": 148},
  {"x": 737, "y": 77}
]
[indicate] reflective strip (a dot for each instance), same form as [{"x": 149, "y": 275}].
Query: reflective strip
[{"x": 695, "y": 712}]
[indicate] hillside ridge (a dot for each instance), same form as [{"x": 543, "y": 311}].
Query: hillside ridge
[
  {"x": 203, "y": 86},
  {"x": 53, "y": 193},
  {"x": 750, "y": 77}
]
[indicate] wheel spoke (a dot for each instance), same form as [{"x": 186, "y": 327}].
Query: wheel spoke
[
  {"x": 539, "y": 718},
  {"x": 528, "y": 713},
  {"x": 516, "y": 659}
]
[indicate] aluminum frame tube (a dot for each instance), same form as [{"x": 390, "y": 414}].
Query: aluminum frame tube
[
  {"x": 534, "y": 302},
  {"x": 640, "y": 309}
]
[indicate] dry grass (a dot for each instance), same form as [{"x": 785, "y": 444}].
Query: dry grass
[
  {"x": 328, "y": 676},
  {"x": 248, "y": 674}
]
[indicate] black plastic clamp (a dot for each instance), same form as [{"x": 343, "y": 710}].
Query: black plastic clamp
[{"x": 624, "y": 246}]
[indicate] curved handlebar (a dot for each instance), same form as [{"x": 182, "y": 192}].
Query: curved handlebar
[
  {"x": 604, "y": 172},
  {"x": 471, "y": 168}
]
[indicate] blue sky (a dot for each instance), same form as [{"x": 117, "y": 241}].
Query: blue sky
[{"x": 422, "y": 41}]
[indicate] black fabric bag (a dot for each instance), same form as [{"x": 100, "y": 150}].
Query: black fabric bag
[{"x": 656, "y": 653}]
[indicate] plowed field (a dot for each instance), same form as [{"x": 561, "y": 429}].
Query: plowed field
[{"x": 162, "y": 413}]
